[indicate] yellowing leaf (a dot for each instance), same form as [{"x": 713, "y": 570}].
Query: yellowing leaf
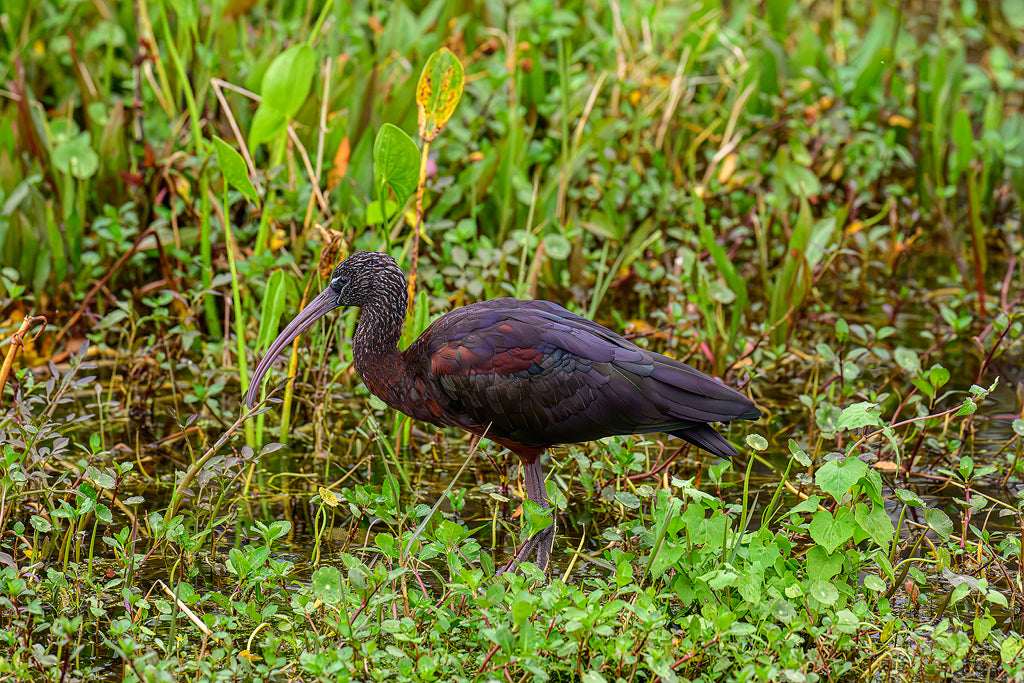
[
  {"x": 328, "y": 497},
  {"x": 899, "y": 121},
  {"x": 438, "y": 92}
]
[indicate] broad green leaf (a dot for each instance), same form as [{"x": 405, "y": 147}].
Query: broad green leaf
[
  {"x": 103, "y": 513},
  {"x": 939, "y": 522},
  {"x": 76, "y": 157},
  {"x": 821, "y": 565},
  {"x": 809, "y": 505},
  {"x": 874, "y": 584},
  {"x": 287, "y": 80},
  {"x": 907, "y": 360},
  {"x": 959, "y": 593},
  {"x": 829, "y": 532},
  {"x": 235, "y": 172},
  {"x": 668, "y": 555},
  {"x": 969, "y": 407},
  {"x": 846, "y": 621},
  {"x": 996, "y": 598},
  {"x": 326, "y": 584},
  {"x": 556, "y": 246},
  {"x": 783, "y": 610},
  {"x": 1013, "y": 10},
  {"x": 284, "y": 89},
  {"x": 266, "y": 125},
  {"x": 396, "y": 162},
  {"x": 1010, "y": 649},
  {"x": 40, "y": 524},
  {"x": 757, "y": 442},
  {"x": 374, "y": 216},
  {"x": 909, "y": 498},
  {"x": 800, "y": 455},
  {"x": 876, "y": 523},
  {"x": 438, "y": 92},
  {"x": 924, "y": 387},
  {"x": 836, "y": 478},
  {"x": 982, "y": 627},
  {"x": 824, "y": 592},
  {"x": 863, "y": 414},
  {"x": 238, "y": 563},
  {"x": 627, "y": 499}
]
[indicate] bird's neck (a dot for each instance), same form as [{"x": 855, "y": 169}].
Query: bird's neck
[
  {"x": 375, "y": 344},
  {"x": 378, "y": 330}
]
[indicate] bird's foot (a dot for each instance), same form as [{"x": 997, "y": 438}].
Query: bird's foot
[{"x": 539, "y": 545}]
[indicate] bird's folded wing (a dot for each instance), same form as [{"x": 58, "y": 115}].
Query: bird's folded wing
[{"x": 541, "y": 375}]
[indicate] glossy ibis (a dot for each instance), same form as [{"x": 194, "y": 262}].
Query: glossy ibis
[{"x": 528, "y": 373}]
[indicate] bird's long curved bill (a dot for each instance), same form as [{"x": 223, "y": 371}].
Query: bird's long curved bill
[{"x": 324, "y": 303}]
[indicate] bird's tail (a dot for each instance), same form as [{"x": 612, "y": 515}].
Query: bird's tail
[{"x": 704, "y": 436}]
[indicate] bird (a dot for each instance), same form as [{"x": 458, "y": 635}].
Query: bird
[{"x": 526, "y": 374}]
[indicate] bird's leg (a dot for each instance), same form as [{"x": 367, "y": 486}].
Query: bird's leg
[{"x": 543, "y": 541}]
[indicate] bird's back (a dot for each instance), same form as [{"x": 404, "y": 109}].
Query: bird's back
[{"x": 539, "y": 375}]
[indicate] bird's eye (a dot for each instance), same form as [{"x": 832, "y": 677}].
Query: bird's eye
[{"x": 339, "y": 283}]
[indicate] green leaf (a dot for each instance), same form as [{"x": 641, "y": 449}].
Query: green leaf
[
  {"x": 907, "y": 360},
  {"x": 824, "y": 592},
  {"x": 800, "y": 455},
  {"x": 238, "y": 563},
  {"x": 939, "y": 522},
  {"x": 556, "y": 246},
  {"x": 982, "y": 627},
  {"x": 76, "y": 156},
  {"x": 287, "y": 80},
  {"x": 374, "y": 216},
  {"x": 876, "y": 523},
  {"x": 326, "y": 584},
  {"x": 924, "y": 387},
  {"x": 627, "y": 499},
  {"x": 821, "y": 565},
  {"x": 40, "y": 524},
  {"x": 842, "y": 330},
  {"x": 874, "y": 584},
  {"x": 829, "y": 532},
  {"x": 837, "y": 478},
  {"x": 438, "y": 92},
  {"x": 938, "y": 376},
  {"x": 846, "y": 621},
  {"x": 1009, "y": 649},
  {"x": 266, "y": 125},
  {"x": 909, "y": 498},
  {"x": 234, "y": 170},
  {"x": 809, "y": 505},
  {"x": 284, "y": 89},
  {"x": 996, "y": 598},
  {"x": 859, "y": 415},
  {"x": 969, "y": 407},
  {"x": 396, "y": 162},
  {"x": 1013, "y": 10},
  {"x": 757, "y": 442}
]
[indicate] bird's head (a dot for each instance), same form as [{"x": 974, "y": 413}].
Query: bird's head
[
  {"x": 360, "y": 280},
  {"x": 365, "y": 276}
]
